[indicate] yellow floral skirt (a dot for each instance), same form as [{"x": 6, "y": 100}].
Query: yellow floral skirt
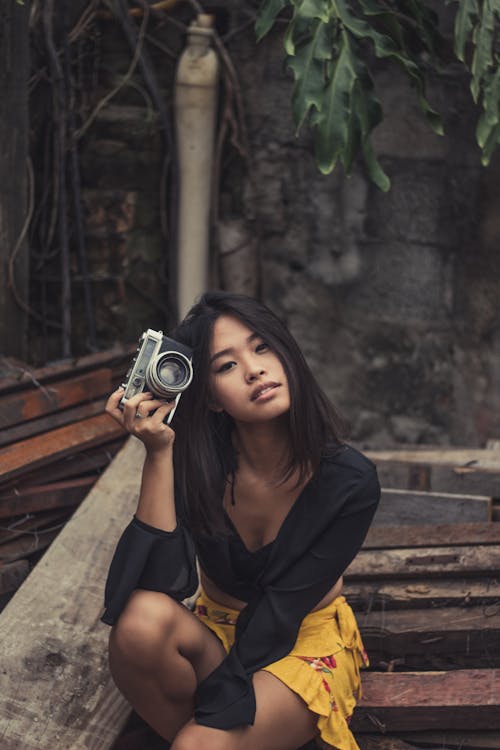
[{"x": 322, "y": 667}]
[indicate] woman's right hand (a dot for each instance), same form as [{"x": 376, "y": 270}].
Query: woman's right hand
[{"x": 142, "y": 416}]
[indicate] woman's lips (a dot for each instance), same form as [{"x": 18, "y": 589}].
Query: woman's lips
[{"x": 263, "y": 390}]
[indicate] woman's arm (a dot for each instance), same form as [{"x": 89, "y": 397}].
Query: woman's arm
[{"x": 155, "y": 551}]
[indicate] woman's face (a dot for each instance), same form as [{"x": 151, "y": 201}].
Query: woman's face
[{"x": 247, "y": 379}]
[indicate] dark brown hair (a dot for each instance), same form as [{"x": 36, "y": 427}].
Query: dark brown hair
[{"x": 203, "y": 450}]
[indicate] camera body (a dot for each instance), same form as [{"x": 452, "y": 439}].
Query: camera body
[{"x": 160, "y": 365}]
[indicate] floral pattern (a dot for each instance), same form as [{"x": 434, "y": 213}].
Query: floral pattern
[{"x": 324, "y": 665}]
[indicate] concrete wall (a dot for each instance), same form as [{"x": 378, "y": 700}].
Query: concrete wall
[{"x": 394, "y": 297}]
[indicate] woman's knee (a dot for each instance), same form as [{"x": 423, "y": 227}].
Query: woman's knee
[
  {"x": 193, "y": 737},
  {"x": 148, "y": 621}
]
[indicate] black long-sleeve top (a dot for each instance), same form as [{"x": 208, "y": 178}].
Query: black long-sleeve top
[{"x": 318, "y": 539}]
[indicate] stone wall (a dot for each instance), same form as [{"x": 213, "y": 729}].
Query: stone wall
[{"x": 393, "y": 297}]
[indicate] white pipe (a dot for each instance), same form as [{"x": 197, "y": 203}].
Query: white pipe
[{"x": 195, "y": 111}]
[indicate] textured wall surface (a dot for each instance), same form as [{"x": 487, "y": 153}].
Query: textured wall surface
[{"x": 393, "y": 297}]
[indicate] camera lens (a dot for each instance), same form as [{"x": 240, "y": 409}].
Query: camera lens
[{"x": 171, "y": 373}]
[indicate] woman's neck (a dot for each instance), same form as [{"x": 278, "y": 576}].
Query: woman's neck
[{"x": 264, "y": 448}]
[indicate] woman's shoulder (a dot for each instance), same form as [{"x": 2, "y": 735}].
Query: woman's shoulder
[{"x": 341, "y": 457}]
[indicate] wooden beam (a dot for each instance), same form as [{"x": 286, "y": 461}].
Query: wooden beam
[
  {"x": 23, "y": 377},
  {"x": 38, "y": 402},
  {"x": 456, "y": 478},
  {"x": 420, "y": 593},
  {"x": 432, "y": 562},
  {"x": 88, "y": 461},
  {"x": 456, "y": 457},
  {"x": 452, "y": 633},
  {"x": 430, "y": 535},
  {"x": 50, "y": 422},
  {"x": 12, "y": 575},
  {"x": 450, "y": 740},
  {"x": 409, "y": 701},
  {"x": 55, "y": 686},
  {"x": 402, "y": 507},
  {"x": 43, "y": 449},
  {"x": 45, "y": 497}
]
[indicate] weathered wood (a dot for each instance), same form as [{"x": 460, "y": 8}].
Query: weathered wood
[
  {"x": 459, "y": 699},
  {"x": 456, "y": 457},
  {"x": 37, "y": 451},
  {"x": 450, "y": 740},
  {"x": 38, "y": 402},
  {"x": 44, "y": 497},
  {"x": 387, "y": 537},
  {"x": 449, "y": 632},
  {"x": 12, "y": 575},
  {"x": 55, "y": 686},
  {"x": 462, "y": 480},
  {"x": 45, "y": 424},
  {"x": 27, "y": 545},
  {"x": 432, "y": 562},
  {"x": 399, "y": 508},
  {"x": 366, "y": 597},
  {"x": 22, "y": 376},
  {"x": 89, "y": 461},
  {"x": 381, "y": 742},
  {"x": 31, "y": 524}
]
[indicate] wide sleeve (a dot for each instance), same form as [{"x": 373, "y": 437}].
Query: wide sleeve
[
  {"x": 150, "y": 558},
  {"x": 267, "y": 628}
]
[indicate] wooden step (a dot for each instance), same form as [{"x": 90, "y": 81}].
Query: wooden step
[
  {"x": 410, "y": 701},
  {"x": 432, "y": 535},
  {"x": 431, "y": 562},
  {"x": 404, "y": 507},
  {"x": 421, "y": 593}
]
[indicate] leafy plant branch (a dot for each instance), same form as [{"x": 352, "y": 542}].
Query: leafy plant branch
[{"x": 330, "y": 47}]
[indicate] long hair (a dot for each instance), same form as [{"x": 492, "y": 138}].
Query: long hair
[{"x": 203, "y": 450}]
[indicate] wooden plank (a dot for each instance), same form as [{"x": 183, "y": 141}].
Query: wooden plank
[
  {"x": 31, "y": 524},
  {"x": 12, "y": 575},
  {"x": 457, "y": 457},
  {"x": 380, "y": 742},
  {"x": 44, "y": 497},
  {"x": 50, "y": 422},
  {"x": 27, "y": 545},
  {"x": 22, "y": 376},
  {"x": 37, "y": 451},
  {"x": 55, "y": 686},
  {"x": 90, "y": 461},
  {"x": 461, "y": 480},
  {"x": 430, "y": 535},
  {"x": 405, "y": 701},
  {"x": 38, "y": 402},
  {"x": 450, "y": 740},
  {"x": 415, "y": 562},
  {"x": 401, "y": 508},
  {"x": 452, "y": 633},
  {"x": 420, "y": 593}
]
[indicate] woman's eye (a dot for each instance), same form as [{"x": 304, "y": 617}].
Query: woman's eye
[
  {"x": 262, "y": 347},
  {"x": 225, "y": 367}
]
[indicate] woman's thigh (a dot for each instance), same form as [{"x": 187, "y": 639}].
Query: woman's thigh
[
  {"x": 282, "y": 722},
  {"x": 154, "y": 628}
]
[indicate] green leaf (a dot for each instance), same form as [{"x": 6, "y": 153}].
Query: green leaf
[
  {"x": 490, "y": 117},
  {"x": 483, "y": 54},
  {"x": 465, "y": 21},
  {"x": 490, "y": 146},
  {"x": 267, "y": 14},
  {"x": 308, "y": 66},
  {"x": 386, "y": 47}
]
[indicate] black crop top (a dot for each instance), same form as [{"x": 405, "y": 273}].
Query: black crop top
[{"x": 282, "y": 583}]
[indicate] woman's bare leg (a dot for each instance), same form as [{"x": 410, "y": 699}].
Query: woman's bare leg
[
  {"x": 282, "y": 722},
  {"x": 158, "y": 652}
]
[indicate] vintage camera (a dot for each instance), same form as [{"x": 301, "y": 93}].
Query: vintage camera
[{"x": 160, "y": 365}]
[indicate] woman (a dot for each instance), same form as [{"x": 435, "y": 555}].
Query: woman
[{"x": 261, "y": 491}]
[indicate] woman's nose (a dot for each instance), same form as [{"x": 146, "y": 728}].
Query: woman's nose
[{"x": 254, "y": 372}]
